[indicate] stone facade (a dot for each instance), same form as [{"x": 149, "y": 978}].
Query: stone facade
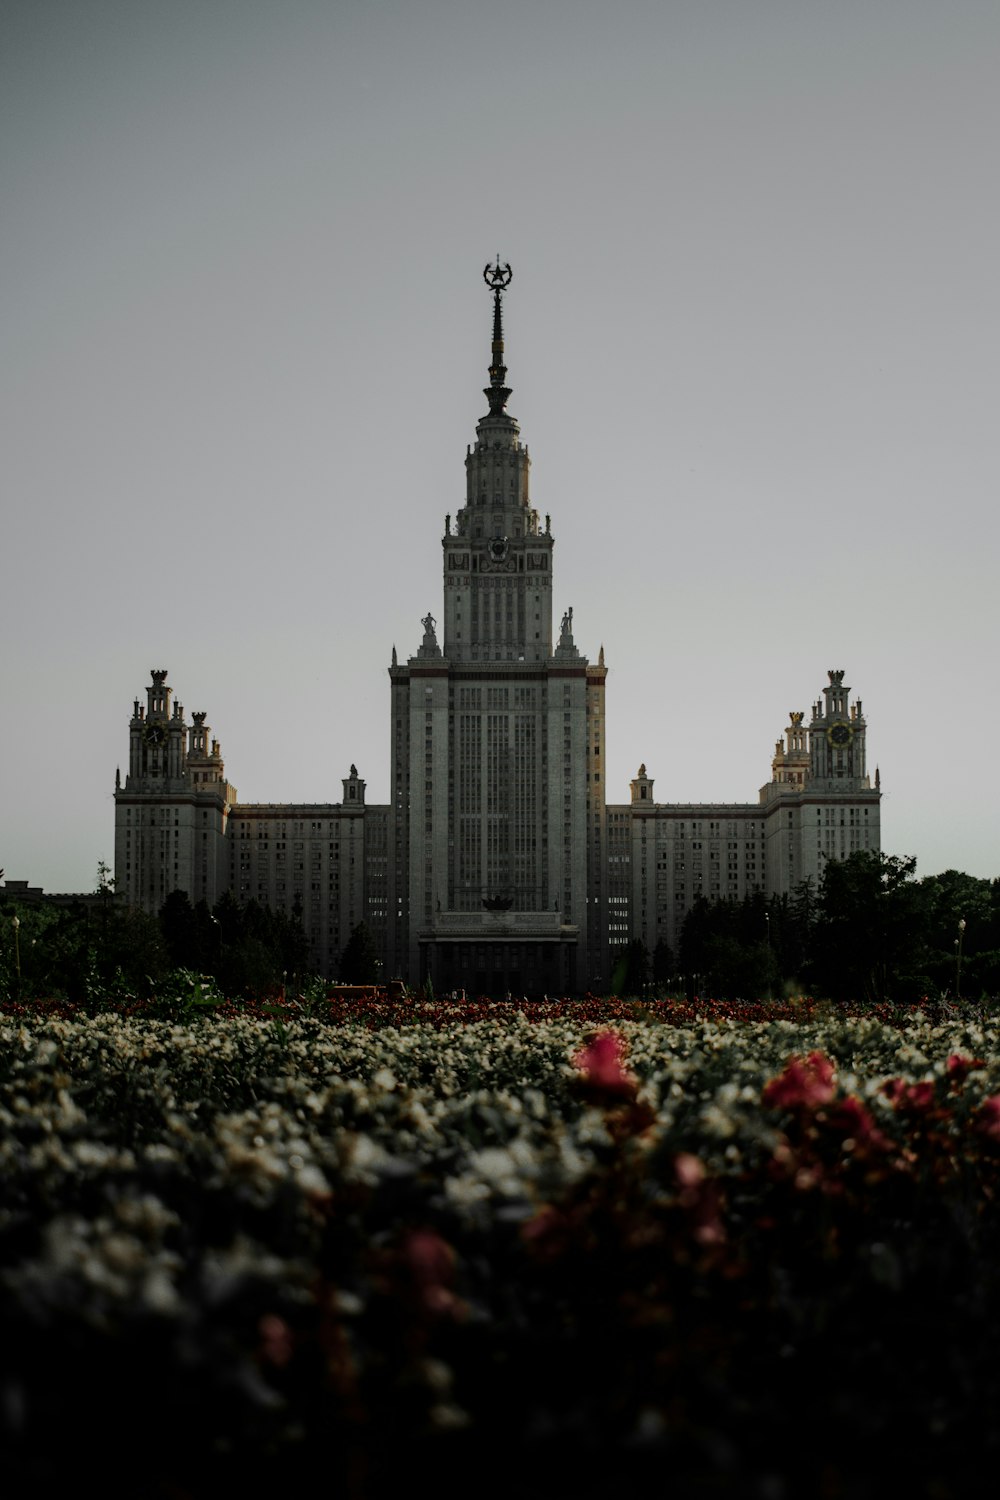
[{"x": 497, "y": 866}]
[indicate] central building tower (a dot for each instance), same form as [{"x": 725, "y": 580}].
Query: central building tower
[{"x": 497, "y": 734}]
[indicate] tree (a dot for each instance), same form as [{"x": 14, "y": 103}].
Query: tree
[
  {"x": 664, "y": 963},
  {"x": 177, "y": 924},
  {"x": 631, "y": 974},
  {"x": 739, "y": 970},
  {"x": 700, "y": 924},
  {"x": 134, "y": 956},
  {"x": 955, "y": 898},
  {"x": 73, "y": 952},
  {"x": 359, "y": 963},
  {"x": 870, "y": 936}
]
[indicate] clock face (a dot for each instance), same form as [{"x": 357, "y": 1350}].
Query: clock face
[
  {"x": 839, "y": 734},
  {"x": 154, "y": 734}
]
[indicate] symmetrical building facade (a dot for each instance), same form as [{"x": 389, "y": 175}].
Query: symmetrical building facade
[{"x": 497, "y": 865}]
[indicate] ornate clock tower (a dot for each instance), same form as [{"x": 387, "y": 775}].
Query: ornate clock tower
[{"x": 837, "y": 735}]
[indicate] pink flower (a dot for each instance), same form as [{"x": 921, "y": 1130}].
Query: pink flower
[
  {"x": 600, "y": 1064},
  {"x": 699, "y": 1196},
  {"x": 803, "y": 1084},
  {"x": 689, "y": 1170}
]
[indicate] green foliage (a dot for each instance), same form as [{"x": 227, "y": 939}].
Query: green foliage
[
  {"x": 188, "y": 993},
  {"x": 664, "y": 964},
  {"x": 953, "y": 897},
  {"x": 96, "y": 954},
  {"x": 740, "y": 969},
  {"x": 870, "y": 939},
  {"x": 247, "y": 950},
  {"x": 871, "y": 931},
  {"x": 728, "y": 947},
  {"x": 79, "y": 953},
  {"x": 631, "y": 972},
  {"x": 359, "y": 962}
]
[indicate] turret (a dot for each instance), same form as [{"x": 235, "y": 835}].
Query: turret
[
  {"x": 354, "y": 791},
  {"x": 790, "y": 766},
  {"x": 642, "y": 790}
]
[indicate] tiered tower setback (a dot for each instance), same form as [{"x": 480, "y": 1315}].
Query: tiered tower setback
[{"x": 491, "y": 767}]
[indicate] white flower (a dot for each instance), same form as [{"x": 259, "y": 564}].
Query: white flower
[{"x": 158, "y": 1292}]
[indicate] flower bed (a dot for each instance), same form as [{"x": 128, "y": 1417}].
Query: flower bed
[{"x": 509, "y": 1244}]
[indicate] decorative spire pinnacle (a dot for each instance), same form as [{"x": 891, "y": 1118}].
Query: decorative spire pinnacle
[{"x": 498, "y": 279}]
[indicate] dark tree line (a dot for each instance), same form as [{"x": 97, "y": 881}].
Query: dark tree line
[
  {"x": 84, "y": 951},
  {"x": 99, "y": 949},
  {"x": 78, "y": 951},
  {"x": 246, "y": 949},
  {"x": 871, "y": 931}
]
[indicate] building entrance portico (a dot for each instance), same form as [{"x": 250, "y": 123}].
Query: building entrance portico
[{"x": 500, "y": 953}]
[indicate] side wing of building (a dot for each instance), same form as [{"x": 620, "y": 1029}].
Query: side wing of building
[
  {"x": 819, "y": 805},
  {"x": 180, "y": 826}
]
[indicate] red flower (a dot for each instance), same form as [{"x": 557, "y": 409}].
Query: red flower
[
  {"x": 911, "y": 1098},
  {"x": 600, "y": 1064},
  {"x": 959, "y": 1067},
  {"x": 852, "y": 1118},
  {"x": 275, "y": 1340},
  {"x": 803, "y": 1084},
  {"x": 431, "y": 1264}
]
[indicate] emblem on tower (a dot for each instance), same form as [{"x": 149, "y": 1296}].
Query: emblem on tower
[{"x": 498, "y": 278}]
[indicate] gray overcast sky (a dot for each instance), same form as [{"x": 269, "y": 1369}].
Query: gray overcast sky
[{"x": 753, "y": 339}]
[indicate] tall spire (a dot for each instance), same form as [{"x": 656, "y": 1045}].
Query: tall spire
[{"x": 498, "y": 279}]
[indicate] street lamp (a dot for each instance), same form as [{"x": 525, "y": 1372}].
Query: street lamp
[
  {"x": 958, "y": 958},
  {"x": 15, "y": 922}
]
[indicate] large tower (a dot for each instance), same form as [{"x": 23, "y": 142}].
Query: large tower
[{"x": 496, "y": 745}]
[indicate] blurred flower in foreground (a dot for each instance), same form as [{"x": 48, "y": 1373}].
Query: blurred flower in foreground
[
  {"x": 699, "y": 1195},
  {"x": 988, "y": 1118},
  {"x": 601, "y": 1067},
  {"x": 275, "y": 1340},
  {"x": 430, "y": 1261},
  {"x": 851, "y": 1119},
  {"x": 958, "y": 1067},
  {"x": 912, "y": 1098},
  {"x": 804, "y": 1083}
]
